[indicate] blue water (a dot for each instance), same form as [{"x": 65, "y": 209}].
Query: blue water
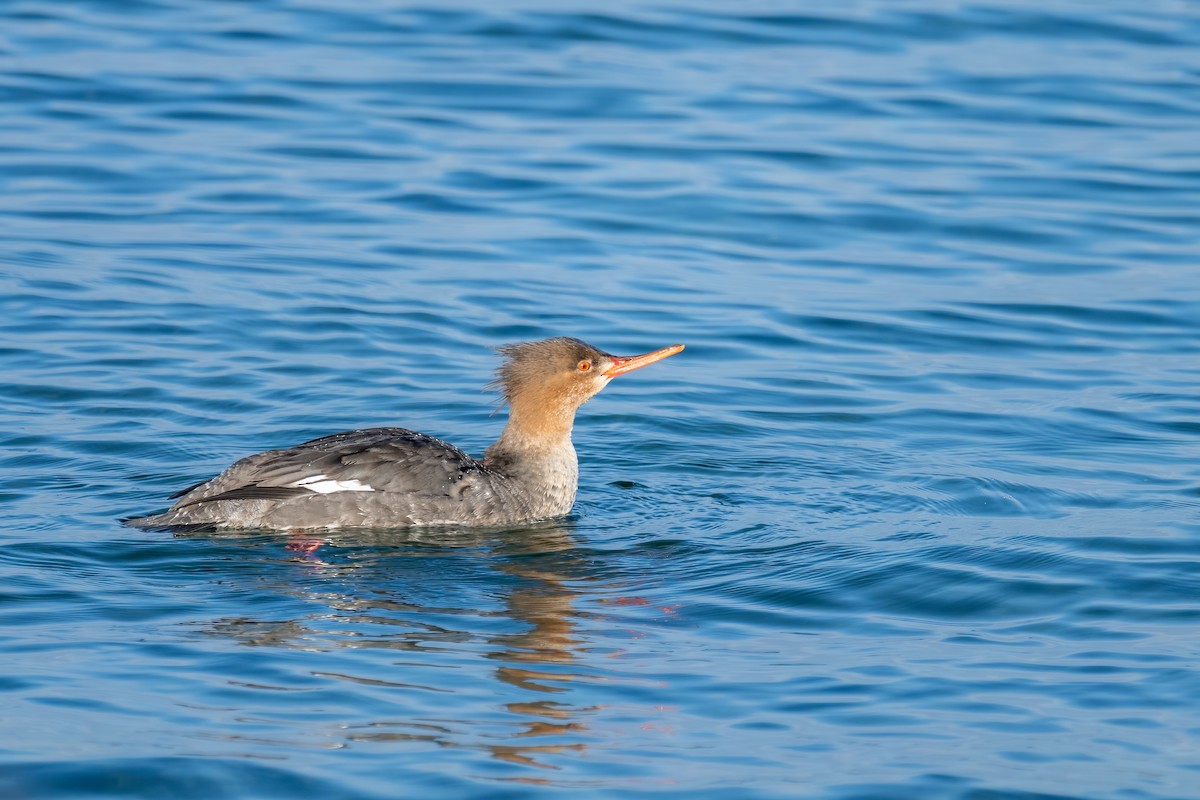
[{"x": 916, "y": 515}]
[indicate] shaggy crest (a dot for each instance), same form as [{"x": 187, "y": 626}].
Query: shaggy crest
[{"x": 527, "y": 364}]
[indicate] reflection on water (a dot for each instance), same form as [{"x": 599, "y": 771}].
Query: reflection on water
[
  {"x": 540, "y": 568},
  {"x": 546, "y": 603}
]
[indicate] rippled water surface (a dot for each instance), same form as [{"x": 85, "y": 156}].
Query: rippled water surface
[{"x": 916, "y": 515}]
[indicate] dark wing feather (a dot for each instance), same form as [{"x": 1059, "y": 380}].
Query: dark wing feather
[
  {"x": 386, "y": 459},
  {"x": 251, "y": 493}
]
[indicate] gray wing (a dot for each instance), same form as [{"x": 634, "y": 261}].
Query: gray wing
[{"x": 384, "y": 459}]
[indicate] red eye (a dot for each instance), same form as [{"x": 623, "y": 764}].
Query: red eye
[{"x": 585, "y": 365}]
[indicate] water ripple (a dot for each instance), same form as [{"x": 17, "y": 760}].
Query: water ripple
[{"x": 913, "y": 516}]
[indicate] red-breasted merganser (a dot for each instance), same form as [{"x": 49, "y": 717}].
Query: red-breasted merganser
[{"x": 397, "y": 478}]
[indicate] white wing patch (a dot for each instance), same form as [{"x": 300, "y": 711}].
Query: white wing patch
[{"x": 323, "y": 485}]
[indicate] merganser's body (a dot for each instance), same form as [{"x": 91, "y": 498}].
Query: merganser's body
[{"x": 393, "y": 478}]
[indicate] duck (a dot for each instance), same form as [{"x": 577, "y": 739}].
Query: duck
[{"x": 399, "y": 478}]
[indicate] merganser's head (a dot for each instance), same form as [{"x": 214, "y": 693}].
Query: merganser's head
[{"x": 562, "y": 373}]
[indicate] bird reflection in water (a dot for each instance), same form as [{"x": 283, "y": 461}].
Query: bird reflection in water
[{"x": 365, "y": 579}]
